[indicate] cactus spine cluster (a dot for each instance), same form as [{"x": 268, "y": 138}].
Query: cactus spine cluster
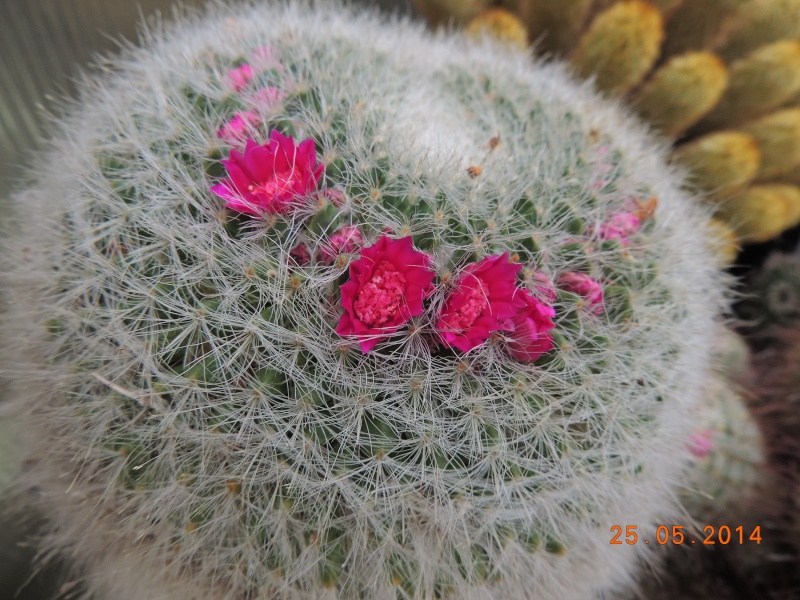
[
  {"x": 700, "y": 71},
  {"x": 200, "y": 426}
]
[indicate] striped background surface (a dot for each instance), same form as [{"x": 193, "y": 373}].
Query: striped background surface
[{"x": 43, "y": 45}]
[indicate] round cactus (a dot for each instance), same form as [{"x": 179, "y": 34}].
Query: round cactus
[
  {"x": 305, "y": 305},
  {"x": 729, "y": 453}
]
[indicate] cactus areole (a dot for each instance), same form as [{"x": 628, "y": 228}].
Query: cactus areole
[{"x": 307, "y": 305}]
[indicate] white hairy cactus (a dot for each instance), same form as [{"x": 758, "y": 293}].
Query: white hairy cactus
[{"x": 207, "y": 420}]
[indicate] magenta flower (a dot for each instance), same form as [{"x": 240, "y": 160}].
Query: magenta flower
[
  {"x": 345, "y": 239},
  {"x": 267, "y": 98},
  {"x": 271, "y": 178},
  {"x": 486, "y": 296},
  {"x": 239, "y": 77},
  {"x": 586, "y": 287},
  {"x": 237, "y": 129},
  {"x": 386, "y": 288},
  {"x": 530, "y": 337},
  {"x": 620, "y": 226}
]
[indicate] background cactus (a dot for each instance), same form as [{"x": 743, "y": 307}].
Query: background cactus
[
  {"x": 694, "y": 69},
  {"x": 180, "y": 360}
]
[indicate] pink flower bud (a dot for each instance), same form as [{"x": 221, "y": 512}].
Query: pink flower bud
[
  {"x": 239, "y": 78},
  {"x": 346, "y": 240},
  {"x": 585, "y": 287},
  {"x": 239, "y": 127}
]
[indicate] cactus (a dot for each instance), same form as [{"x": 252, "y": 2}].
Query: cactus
[
  {"x": 760, "y": 22},
  {"x": 500, "y": 24},
  {"x": 730, "y": 457},
  {"x": 692, "y": 93},
  {"x": 249, "y": 314},
  {"x": 721, "y": 163},
  {"x": 699, "y": 24},
  {"x": 682, "y": 91},
  {"x": 761, "y": 212},
  {"x": 554, "y": 24},
  {"x": 772, "y": 298},
  {"x": 621, "y": 46},
  {"x": 759, "y": 82},
  {"x": 778, "y": 138},
  {"x": 443, "y": 12},
  {"x": 723, "y": 239}
]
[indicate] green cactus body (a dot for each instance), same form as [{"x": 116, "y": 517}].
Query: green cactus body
[{"x": 182, "y": 363}]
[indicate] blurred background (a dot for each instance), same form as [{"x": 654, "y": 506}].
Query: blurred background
[{"x": 44, "y": 46}]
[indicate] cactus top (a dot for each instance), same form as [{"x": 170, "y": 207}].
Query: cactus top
[{"x": 316, "y": 304}]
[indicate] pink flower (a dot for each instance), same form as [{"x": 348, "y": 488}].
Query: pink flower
[
  {"x": 238, "y": 127},
  {"x": 386, "y": 288},
  {"x": 268, "y": 98},
  {"x": 620, "y": 226},
  {"x": 239, "y": 78},
  {"x": 530, "y": 338},
  {"x": 486, "y": 296},
  {"x": 543, "y": 288},
  {"x": 271, "y": 178},
  {"x": 299, "y": 254},
  {"x": 701, "y": 443},
  {"x": 335, "y": 197},
  {"x": 264, "y": 58},
  {"x": 586, "y": 287},
  {"x": 346, "y": 239}
]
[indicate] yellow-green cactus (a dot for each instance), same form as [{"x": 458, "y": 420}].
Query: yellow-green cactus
[
  {"x": 698, "y": 24},
  {"x": 761, "y": 212},
  {"x": 682, "y": 91},
  {"x": 554, "y": 24},
  {"x": 721, "y": 163},
  {"x": 501, "y": 25},
  {"x": 778, "y": 137},
  {"x": 620, "y": 46},
  {"x": 761, "y": 22},
  {"x": 760, "y": 82}
]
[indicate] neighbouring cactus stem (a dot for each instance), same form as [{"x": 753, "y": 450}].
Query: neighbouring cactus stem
[
  {"x": 725, "y": 242},
  {"x": 721, "y": 163},
  {"x": 778, "y": 137},
  {"x": 443, "y": 12},
  {"x": 699, "y": 25},
  {"x": 682, "y": 91},
  {"x": 500, "y": 24},
  {"x": 667, "y": 7},
  {"x": 761, "y": 22},
  {"x": 758, "y": 83},
  {"x": 554, "y": 25},
  {"x": 620, "y": 46},
  {"x": 761, "y": 212}
]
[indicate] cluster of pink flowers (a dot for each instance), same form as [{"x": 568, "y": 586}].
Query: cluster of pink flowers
[
  {"x": 238, "y": 79},
  {"x": 390, "y": 281}
]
